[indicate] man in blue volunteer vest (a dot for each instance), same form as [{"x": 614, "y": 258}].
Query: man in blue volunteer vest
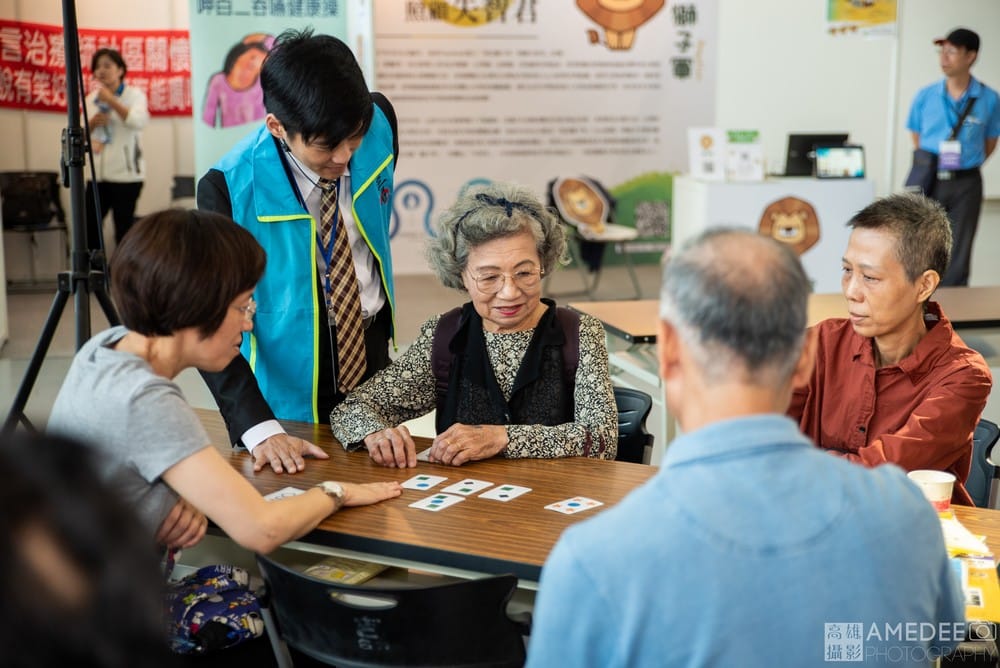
[
  {"x": 327, "y": 143},
  {"x": 935, "y": 113}
]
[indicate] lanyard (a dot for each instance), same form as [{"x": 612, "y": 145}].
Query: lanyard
[
  {"x": 952, "y": 107},
  {"x": 327, "y": 251}
]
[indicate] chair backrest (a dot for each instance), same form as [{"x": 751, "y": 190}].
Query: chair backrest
[
  {"x": 456, "y": 624},
  {"x": 633, "y": 409},
  {"x": 30, "y": 199},
  {"x": 983, "y": 470}
]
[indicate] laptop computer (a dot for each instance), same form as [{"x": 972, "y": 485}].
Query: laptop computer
[
  {"x": 799, "y": 157},
  {"x": 840, "y": 162}
]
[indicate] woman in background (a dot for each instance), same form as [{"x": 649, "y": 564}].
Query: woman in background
[{"x": 120, "y": 116}]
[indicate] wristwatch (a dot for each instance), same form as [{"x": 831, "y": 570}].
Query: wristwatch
[{"x": 334, "y": 490}]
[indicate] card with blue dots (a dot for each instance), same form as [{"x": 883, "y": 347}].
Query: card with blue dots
[
  {"x": 575, "y": 505},
  {"x": 423, "y": 481}
]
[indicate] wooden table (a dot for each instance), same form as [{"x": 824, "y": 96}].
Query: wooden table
[
  {"x": 981, "y": 522},
  {"x": 636, "y": 320},
  {"x": 475, "y": 536}
]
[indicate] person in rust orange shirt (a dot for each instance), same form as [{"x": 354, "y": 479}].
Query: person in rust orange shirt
[{"x": 893, "y": 382}]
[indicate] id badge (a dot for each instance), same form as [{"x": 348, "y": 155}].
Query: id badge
[{"x": 949, "y": 154}]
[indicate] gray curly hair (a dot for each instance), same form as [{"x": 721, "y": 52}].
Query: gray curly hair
[{"x": 490, "y": 212}]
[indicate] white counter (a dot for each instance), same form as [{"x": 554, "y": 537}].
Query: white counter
[{"x": 698, "y": 205}]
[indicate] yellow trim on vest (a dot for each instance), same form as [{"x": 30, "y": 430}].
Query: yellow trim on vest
[
  {"x": 253, "y": 352},
  {"x": 316, "y": 312},
  {"x": 281, "y": 219},
  {"x": 316, "y": 315},
  {"x": 364, "y": 235}
]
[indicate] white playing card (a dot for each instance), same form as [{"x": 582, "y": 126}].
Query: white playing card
[
  {"x": 437, "y": 502},
  {"x": 423, "y": 481},
  {"x": 424, "y": 455},
  {"x": 574, "y": 505},
  {"x": 284, "y": 493},
  {"x": 505, "y": 492},
  {"x": 467, "y": 487}
]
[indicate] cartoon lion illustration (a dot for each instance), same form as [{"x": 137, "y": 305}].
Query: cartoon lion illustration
[
  {"x": 580, "y": 203},
  {"x": 791, "y": 221},
  {"x": 619, "y": 18}
]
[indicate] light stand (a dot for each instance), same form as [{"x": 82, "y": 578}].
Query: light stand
[{"x": 80, "y": 280}]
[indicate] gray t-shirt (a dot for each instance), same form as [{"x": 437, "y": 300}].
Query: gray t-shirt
[{"x": 138, "y": 421}]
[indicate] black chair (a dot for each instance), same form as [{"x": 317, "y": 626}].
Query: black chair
[
  {"x": 30, "y": 200},
  {"x": 983, "y": 472},
  {"x": 31, "y": 205},
  {"x": 633, "y": 409},
  {"x": 182, "y": 192},
  {"x": 455, "y": 624}
]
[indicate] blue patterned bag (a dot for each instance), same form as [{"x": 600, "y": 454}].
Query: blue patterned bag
[{"x": 211, "y": 609}]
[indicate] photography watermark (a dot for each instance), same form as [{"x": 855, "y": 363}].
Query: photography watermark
[{"x": 899, "y": 642}]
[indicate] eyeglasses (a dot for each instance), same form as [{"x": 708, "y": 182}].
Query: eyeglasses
[
  {"x": 248, "y": 311},
  {"x": 493, "y": 282},
  {"x": 949, "y": 50}
]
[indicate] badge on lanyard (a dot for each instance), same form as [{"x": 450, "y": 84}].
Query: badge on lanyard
[{"x": 949, "y": 154}]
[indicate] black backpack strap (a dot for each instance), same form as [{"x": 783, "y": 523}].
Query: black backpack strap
[
  {"x": 441, "y": 354},
  {"x": 569, "y": 321}
]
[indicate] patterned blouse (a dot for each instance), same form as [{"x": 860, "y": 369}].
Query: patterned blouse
[{"x": 405, "y": 390}]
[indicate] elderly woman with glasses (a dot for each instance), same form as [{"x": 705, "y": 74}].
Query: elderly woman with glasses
[
  {"x": 183, "y": 283},
  {"x": 509, "y": 373}
]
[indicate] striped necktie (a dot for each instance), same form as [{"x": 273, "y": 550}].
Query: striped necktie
[{"x": 343, "y": 301}]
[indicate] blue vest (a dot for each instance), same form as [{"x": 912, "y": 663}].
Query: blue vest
[{"x": 283, "y": 349}]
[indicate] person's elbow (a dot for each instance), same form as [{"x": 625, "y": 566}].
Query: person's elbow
[{"x": 262, "y": 536}]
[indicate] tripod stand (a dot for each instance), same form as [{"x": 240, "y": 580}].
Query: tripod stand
[{"x": 81, "y": 280}]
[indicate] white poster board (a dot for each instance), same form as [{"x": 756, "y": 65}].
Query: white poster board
[{"x": 531, "y": 91}]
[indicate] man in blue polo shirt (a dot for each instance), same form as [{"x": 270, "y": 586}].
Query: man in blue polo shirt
[{"x": 936, "y": 110}]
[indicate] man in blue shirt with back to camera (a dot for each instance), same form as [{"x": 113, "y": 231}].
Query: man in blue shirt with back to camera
[
  {"x": 934, "y": 114},
  {"x": 751, "y": 546}
]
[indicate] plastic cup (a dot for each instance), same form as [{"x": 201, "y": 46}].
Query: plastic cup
[{"x": 936, "y": 486}]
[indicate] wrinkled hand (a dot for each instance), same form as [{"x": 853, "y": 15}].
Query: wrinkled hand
[
  {"x": 461, "y": 443},
  {"x": 285, "y": 452},
  {"x": 183, "y": 527},
  {"x": 392, "y": 447},
  {"x": 369, "y": 493}
]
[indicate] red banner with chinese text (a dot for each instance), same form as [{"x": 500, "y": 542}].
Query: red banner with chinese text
[{"x": 33, "y": 65}]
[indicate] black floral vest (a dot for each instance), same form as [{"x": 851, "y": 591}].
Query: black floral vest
[{"x": 467, "y": 389}]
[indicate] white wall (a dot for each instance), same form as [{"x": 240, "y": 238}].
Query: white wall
[{"x": 780, "y": 72}]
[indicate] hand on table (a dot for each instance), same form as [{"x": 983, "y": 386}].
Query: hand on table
[
  {"x": 369, "y": 493},
  {"x": 285, "y": 453},
  {"x": 183, "y": 527},
  {"x": 392, "y": 447},
  {"x": 461, "y": 443}
]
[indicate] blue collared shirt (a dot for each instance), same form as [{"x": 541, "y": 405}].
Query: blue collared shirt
[
  {"x": 934, "y": 113},
  {"x": 750, "y": 547}
]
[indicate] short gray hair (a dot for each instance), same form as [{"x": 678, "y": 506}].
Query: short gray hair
[
  {"x": 739, "y": 302},
  {"x": 489, "y": 212},
  {"x": 920, "y": 226}
]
